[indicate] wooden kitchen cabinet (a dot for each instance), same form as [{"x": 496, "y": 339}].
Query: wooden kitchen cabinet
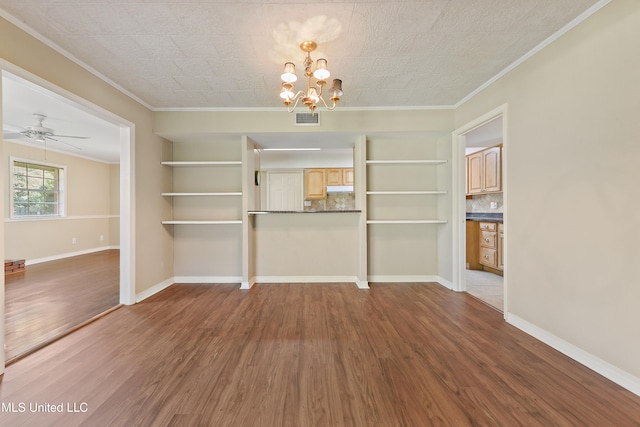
[
  {"x": 334, "y": 176},
  {"x": 484, "y": 171},
  {"x": 340, "y": 176},
  {"x": 347, "y": 176},
  {"x": 500, "y": 246},
  {"x": 488, "y": 244},
  {"x": 315, "y": 184}
]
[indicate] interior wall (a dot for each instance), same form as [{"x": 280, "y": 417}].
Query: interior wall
[
  {"x": 573, "y": 224},
  {"x": 88, "y": 218}
]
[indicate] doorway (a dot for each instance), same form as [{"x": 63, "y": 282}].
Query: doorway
[
  {"x": 480, "y": 266},
  {"x": 285, "y": 191},
  {"x": 61, "y": 100}
]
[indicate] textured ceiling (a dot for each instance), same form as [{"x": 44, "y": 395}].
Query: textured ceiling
[{"x": 224, "y": 54}]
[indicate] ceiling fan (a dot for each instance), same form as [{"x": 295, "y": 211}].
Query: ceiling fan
[{"x": 40, "y": 133}]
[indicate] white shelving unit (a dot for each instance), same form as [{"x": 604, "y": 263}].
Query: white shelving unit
[
  {"x": 400, "y": 193},
  {"x": 200, "y": 194}
]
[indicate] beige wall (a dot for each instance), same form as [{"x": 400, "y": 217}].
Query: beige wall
[
  {"x": 89, "y": 195},
  {"x": 153, "y": 243},
  {"x": 572, "y": 172}
]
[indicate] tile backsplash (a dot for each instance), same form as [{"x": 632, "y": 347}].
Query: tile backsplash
[
  {"x": 333, "y": 202},
  {"x": 482, "y": 203}
]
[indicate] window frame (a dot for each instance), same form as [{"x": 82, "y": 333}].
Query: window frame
[{"x": 61, "y": 188}]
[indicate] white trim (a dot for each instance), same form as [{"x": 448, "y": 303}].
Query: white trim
[
  {"x": 66, "y": 153},
  {"x": 555, "y": 36},
  {"x": 607, "y": 370},
  {"x": 60, "y": 218},
  {"x": 306, "y": 279},
  {"x": 267, "y": 109},
  {"x": 459, "y": 216},
  {"x": 69, "y": 255},
  {"x": 207, "y": 279},
  {"x": 248, "y": 284},
  {"x": 62, "y": 188},
  {"x": 153, "y": 290}
]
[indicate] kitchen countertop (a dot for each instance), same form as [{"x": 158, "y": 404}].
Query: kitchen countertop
[{"x": 485, "y": 217}]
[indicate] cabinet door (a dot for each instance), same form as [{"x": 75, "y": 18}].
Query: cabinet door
[
  {"x": 334, "y": 177},
  {"x": 474, "y": 173},
  {"x": 347, "y": 176},
  {"x": 315, "y": 184},
  {"x": 492, "y": 169}
]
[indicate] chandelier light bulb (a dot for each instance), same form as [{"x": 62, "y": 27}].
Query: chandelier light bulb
[
  {"x": 289, "y": 75},
  {"x": 321, "y": 72}
]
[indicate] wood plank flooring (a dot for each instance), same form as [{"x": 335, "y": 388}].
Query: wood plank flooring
[
  {"x": 51, "y": 298},
  {"x": 309, "y": 355}
]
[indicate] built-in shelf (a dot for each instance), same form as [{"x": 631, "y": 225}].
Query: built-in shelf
[
  {"x": 238, "y": 193},
  {"x": 406, "y": 221},
  {"x": 212, "y": 163},
  {"x": 201, "y": 222},
  {"x": 405, "y": 162},
  {"x": 369, "y": 193}
]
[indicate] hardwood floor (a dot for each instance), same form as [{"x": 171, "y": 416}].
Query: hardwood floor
[
  {"x": 309, "y": 355},
  {"x": 51, "y": 298}
]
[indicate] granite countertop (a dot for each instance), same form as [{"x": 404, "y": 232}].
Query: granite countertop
[
  {"x": 484, "y": 216},
  {"x": 310, "y": 211}
]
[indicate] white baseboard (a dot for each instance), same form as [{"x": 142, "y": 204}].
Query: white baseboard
[
  {"x": 617, "y": 375},
  {"x": 154, "y": 290},
  {"x": 248, "y": 284},
  {"x": 207, "y": 279},
  {"x": 69, "y": 255},
  {"x": 305, "y": 279}
]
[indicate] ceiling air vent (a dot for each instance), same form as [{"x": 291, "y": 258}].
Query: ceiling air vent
[{"x": 307, "y": 119}]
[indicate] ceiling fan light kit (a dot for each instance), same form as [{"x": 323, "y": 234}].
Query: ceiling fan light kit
[{"x": 313, "y": 95}]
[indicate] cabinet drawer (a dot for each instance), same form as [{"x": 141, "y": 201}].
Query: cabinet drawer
[
  {"x": 489, "y": 226},
  {"x": 488, "y": 239},
  {"x": 488, "y": 257}
]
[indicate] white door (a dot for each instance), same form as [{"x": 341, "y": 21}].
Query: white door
[{"x": 285, "y": 191}]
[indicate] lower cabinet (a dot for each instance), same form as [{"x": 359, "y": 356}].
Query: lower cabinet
[
  {"x": 500, "y": 246},
  {"x": 491, "y": 244}
]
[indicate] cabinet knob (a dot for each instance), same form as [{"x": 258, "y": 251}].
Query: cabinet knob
[
  {"x": 486, "y": 257},
  {"x": 486, "y": 239}
]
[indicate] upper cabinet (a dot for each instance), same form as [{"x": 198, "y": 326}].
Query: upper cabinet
[
  {"x": 339, "y": 176},
  {"x": 484, "y": 171},
  {"x": 315, "y": 184}
]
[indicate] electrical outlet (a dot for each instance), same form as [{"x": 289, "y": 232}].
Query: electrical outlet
[
  {"x": 101, "y": 237},
  {"x": 73, "y": 241},
  {"x": 494, "y": 205}
]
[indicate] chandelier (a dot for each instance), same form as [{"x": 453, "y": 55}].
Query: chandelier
[{"x": 313, "y": 94}]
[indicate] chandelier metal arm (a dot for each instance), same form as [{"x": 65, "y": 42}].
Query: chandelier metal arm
[
  {"x": 333, "y": 104},
  {"x": 297, "y": 98}
]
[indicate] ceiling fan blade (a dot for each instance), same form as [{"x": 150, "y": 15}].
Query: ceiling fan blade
[
  {"x": 71, "y": 136},
  {"x": 13, "y": 135},
  {"x": 62, "y": 142}
]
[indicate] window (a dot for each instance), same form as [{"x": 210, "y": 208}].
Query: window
[{"x": 38, "y": 189}]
